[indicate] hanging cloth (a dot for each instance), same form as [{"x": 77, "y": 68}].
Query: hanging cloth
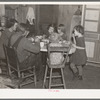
[
  {"x": 2, "y": 10},
  {"x": 30, "y": 15}
]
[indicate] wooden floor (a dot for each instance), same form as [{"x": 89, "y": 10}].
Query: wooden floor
[{"x": 91, "y": 79}]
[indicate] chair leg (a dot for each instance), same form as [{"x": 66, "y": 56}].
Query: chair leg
[
  {"x": 0, "y": 70},
  {"x": 9, "y": 71},
  {"x": 19, "y": 86},
  {"x": 45, "y": 76},
  {"x": 35, "y": 80},
  {"x": 34, "y": 76},
  {"x": 22, "y": 75},
  {"x": 50, "y": 78},
  {"x": 19, "y": 82},
  {"x": 63, "y": 78},
  {"x": 19, "y": 76}
]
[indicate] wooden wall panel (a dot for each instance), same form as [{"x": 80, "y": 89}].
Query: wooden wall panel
[
  {"x": 46, "y": 12},
  {"x": 90, "y": 49},
  {"x": 2, "y": 10},
  {"x": 91, "y": 23},
  {"x": 10, "y": 13},
  {"x": 45, "y": 15},
  {"x": 65, "y": 16},
  {"x": 22, "y": 12}
]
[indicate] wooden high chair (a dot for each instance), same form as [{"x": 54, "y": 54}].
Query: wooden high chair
[{"x": 61, "y": 49}]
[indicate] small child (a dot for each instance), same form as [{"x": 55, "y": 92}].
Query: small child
[
  {"x": 79, "y": 58},
  {"x": 61, "y": 31},
  {"x": 53, "y": 35}
]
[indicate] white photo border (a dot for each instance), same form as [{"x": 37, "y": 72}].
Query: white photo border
[{"x": 49, "y": 93}]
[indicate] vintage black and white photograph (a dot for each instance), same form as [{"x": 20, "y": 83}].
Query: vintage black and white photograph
[{"x": 50, "y": 46}]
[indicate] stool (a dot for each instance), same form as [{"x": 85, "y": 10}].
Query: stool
[{"x": 50, "y": 77}]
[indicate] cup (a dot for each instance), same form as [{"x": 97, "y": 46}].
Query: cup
[{"x": 42, "y": 44}]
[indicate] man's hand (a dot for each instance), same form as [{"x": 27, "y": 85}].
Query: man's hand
[{"x": 37, "y": 39}]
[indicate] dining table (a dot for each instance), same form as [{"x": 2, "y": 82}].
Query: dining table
[
  {"x": 44, "y": 51},
  {"x": 62, "y": 47},
  {"x": 59, "y": 46}
]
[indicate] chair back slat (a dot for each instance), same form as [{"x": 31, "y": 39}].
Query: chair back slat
[
  {"x": 58, "y": 49},
  {"x": 11, "y": 57}
]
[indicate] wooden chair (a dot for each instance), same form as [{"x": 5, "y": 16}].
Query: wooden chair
[
  {"x": 60, "y": 67},
  {"x": 3, "y": 66},
  {"x": 23, "y": 74}
]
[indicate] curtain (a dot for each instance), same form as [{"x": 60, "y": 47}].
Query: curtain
[{"x": 2, "y": 10}]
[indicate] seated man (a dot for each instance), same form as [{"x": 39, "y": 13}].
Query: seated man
[
  {"x": 10, "y": 29},
  {"x": 27, "y": 52}
]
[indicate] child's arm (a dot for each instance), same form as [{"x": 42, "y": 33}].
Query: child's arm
[
  {"x": 74, "y": 40},
  {"x": 77, "y": 47}
]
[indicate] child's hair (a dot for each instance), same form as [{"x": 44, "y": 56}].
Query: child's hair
[
  {"x": 54, "y": 26},
  {"x": 80, "y": 29},
  {"x": 62, "y": 27}
]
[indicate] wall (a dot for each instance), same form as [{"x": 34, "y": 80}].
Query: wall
[
  {"x": 91, "y": 23},
  {"x": 65, "y": 16},
  {"x": 9, "y": 11},
  {"x": 22, "y": 12},
  {"x": 59, "y": 14},
  {"x": 2, "y": 10},
  {"x": 45, "y": 15}
]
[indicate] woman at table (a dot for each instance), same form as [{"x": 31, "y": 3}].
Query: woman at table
[{"x": 11, "y": 27}]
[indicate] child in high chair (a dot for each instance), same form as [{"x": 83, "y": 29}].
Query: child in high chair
[{"x": 79, "y": 57}]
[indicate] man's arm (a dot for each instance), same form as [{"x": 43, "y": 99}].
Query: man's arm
[{"x": 34, "y": 48}]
